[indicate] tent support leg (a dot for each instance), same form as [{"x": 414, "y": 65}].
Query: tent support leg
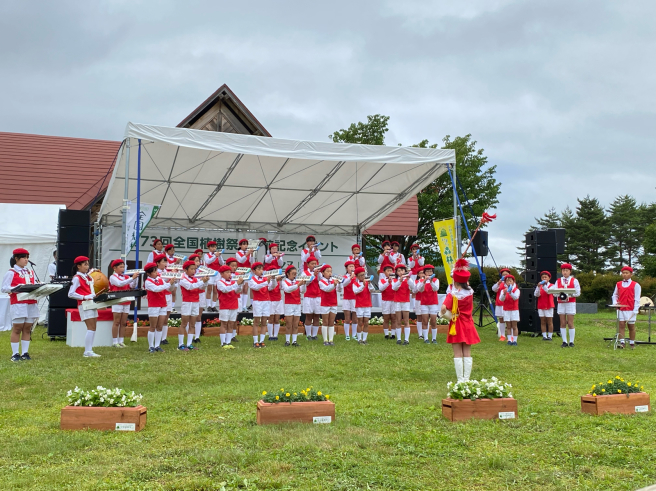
[
  {"x": 124, "y": 210},
  {"x": 133, "y": 338}
]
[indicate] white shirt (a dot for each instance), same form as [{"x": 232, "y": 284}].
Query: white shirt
[
  {"x": 397, "y": 282},
  {"x": 9, "y": 277},
  {"x": 187, "y": 284},
  {"x": 328, "y": 285},
  {"x": 52, "y": 270},
  {"x": 306, "y": 253},
  {"x": 289, "y": 286},
  {"x": 258, "y": 285},
  {"x": 227, "y": 286},
  {"x": 149, "y": 284},
  {"x": 75, "y": 284},
  {"x": 514, "y": 294},
  {"x": 116, "y": 281},
  {"x": 359, "y": 286},
  {"x": 616, "y": 295},
  {"x": 434, "y": 283}
]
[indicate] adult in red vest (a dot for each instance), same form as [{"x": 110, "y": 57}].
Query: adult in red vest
[
  {"x": 498, "y": 304},
  {"x": 82, "y": 289},
  {"x": 567, "y": 304},
  {"x": 23, "y": 312},
  {"x": 510, "y": 298},
  {"x": 120, "y": 282},
  {"x": 545, "y": 305},
  {"x": 627, "y": 293}
]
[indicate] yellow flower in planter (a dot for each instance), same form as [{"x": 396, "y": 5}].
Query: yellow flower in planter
[
  {"x": 327, "y": 396},
  {"x": 629, "y": 384},
  {"x": 619, "y": 391},
  {"x": 603, "y": 390},
  {"x": 319, "y": 393},
  {"x": 277, "y": 398},
  {"x": 282, "y": 390},
  {"x": 287, "y": 394},
  {"x": 610, "y": 381},
  {"x": 594, "y": 395},
  {"x": 295, "y": 393},
  {"x": 642, "y": 387},
  {"x": 617, "y": 377},
  {"x": 264, "y": 392},
  {"x": 622, "y": 380}
]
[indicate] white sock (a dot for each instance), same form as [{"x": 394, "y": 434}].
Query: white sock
[
  {"x": 151, "y": 339},
  {"x": 424, "y": 333},
  {"x": 544, "y": 335},
  {"x": 262, "y": 336},
  {"x": 331, "y": 333},
  {"x": 198, "y": 328},
  {"x": 120, "y": 340},
  {"x": 563, "y": 334},
  {"x": 165, "y": 331},
  {"x": 347, "y": 329},
  {"x": 180, "y": 339},
  {"x": 502, "y": 329},
  {"x": 308, "y": 330},
  {"x": 571, "y": 335},
  {"x": 434, "y": 333},
  {"x": 294, "y": 337},
  {"x": 88, "y": 341},
  {"x": 631, "y": 341},
  {"x": 25, "y": 345},
  {"x": 550, "y": 335},
  {"x": 364, "y": 336},
  {"x": 229, "y": 337},
  {"x": 324, "y": 333},
  {"x": 223, "y": 338},
  {"x": 158, "y": 338},
  {"x": 359, "y": 336},
  {"x": 398, "y": 333},
  {"x": 386, "y": 332},
  {"x": 287, "y": 337},
  {"x": 270, "y": 329},
  {"x": 15, "y": 348},
  {"x": 467, "y": 367},
  {"x": 190, "y": 338},
  {"x": 457, "y": 362},
  {"x": 419, "y": 329},
  {"x": 234, "y": 333},
  {"x": 406, "y": 330},
  {"x": 276, "y": 330},
  {"x": 315, "y": 331},
  {"x": 256, "y": 339},
  {"x": 114, "y": 340}
]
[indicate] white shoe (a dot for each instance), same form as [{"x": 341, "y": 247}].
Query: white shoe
[
  {"x": 91, "y": 354},
  {"x": 116, "y": 345},
  {"x": 122, "y": 345}
]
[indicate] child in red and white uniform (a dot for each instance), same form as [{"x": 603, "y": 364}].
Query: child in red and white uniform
[
  {"x": 416, "y": 305},
  {"x": 356, "y": 256},
  {"x": 362, "y": 289},
  {"x": 387, "y": 295},
  {"x": 228, "y": 303},
  {"x": 120, "y": 282},
  {"x": 415, "y": 261},
  {"x": 402, "y": 285},
  {"x": 385, "y": 258},
  {"x": 293, "y": 289},
  {"x": 429, "y": 301},
  {"x": 161, "y": 262},
  {"x": 498, "y": 304},
  {"x": 462, "y": 332},
  {"x": 545, "y": 305},
  {"x": 510, "y": 298},
  {"x": 311, "y": 250},
  {"x": 312, "y": 300},
  {"x": 213, "y": 261},
  {"x": 274, "y": 260},
  {"x": 158, "y": 248},
  {"x": 329, "y": 287},
  {"x": 396, "y": 256},
  {"x": 190, "y": 287},
  {"x": 169, "y": 250},
  {"x": 348, "y": 301},
  {"x": 156, "y": 288},
  {"x": 199, "y": 252},
  {"x": 627, "y": 292},
  {"x": 232, "y": 263},
  {"x": 82, "y": 289},
  {"x": 567, "y": 304},
  {"x": 260, "y": 286},
  {"x": 23, "y": 312},
  {"x": 244, "y": 256},
  {"x": 202, "y": 299}
]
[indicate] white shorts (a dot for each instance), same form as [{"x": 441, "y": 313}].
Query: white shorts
[
  {"x": 156, "y": 311},
  {"x": 626, "y": 316},
  {"x": 387, "y": 306},
  {"x": 311, "y": 305},
  {"x": 498, "y": 311},
  {"x": 228, "y": 315},
  {"x": 169, "y": 303},
  {"x": 430, "y": 309},
  {"x": 24, "y": 311},
  {"x": 261, "y": 309},
  {"x": 292, "y": 310},
  {"x": 189, "y": 308},
  {"x": 545, "y": 312},
  {"x": 202, "y": 300},
  {"x": 87, "y": 314},
  {"x": 511, "y": 315},
  {"x": 348, "y": 305},
  {"x": 277, "y": 307},
  {"x": 213, "y": 279},
  {"x": 23, "y": 320},
  {"x": 567, "y": 308},
  {"x": 328, "y": 310},
  {"x": 361, "y": 312},
  {"x": 402, "y": 306},
  {"x": 121, "y": 309}
]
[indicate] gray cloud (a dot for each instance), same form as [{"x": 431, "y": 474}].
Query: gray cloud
[{"x": 560, "y": 94}]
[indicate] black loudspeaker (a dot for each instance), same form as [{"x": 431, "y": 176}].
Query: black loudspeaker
[
  {"x": 57, "y": 322},
  {"x": 545, "y": 237},
  {"x": 480, "y": 243},
  {"x": 72, "y": 250},
  {"x": 531, "y": 238},
  {"x": 560, "y": 239},
  {"x": 530, "y": 276},
  {"x": 547, "y": 249},
  {"x": 74, "y": 218},
  {"x": 529, "y": 321},
  {"x": 73, "y": 234},
  {"x": 65, "y": 266},
  {"x": 60, "y": 298},
  {"x": 527, "y": 299},
  {"x": 541, "y": 264}
]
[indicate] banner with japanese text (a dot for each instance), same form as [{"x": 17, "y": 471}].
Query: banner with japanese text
[
  {"x": 445, "y": 231},
  {"x": 146, "y": 213}
]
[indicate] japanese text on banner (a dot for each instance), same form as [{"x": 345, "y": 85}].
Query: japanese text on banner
[{"x": 445, "y": 231}]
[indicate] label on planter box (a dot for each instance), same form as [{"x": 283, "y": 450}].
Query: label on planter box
[
  {"x": 507, "y": 415},
  {"x": 322, "y": 419},
  {"x": 126, "y": 427},
  {"x": 641, "y": 409}
]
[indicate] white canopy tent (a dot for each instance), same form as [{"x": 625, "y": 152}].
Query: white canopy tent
[{"x": 213, "y": 180}]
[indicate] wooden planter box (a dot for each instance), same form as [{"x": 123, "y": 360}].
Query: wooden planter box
[
  {"x": 103, "y": 418},
  {"x": 457, "y": 410},
  {"x": 616, "y": 403},
  {"x": 304, "y": 412}
]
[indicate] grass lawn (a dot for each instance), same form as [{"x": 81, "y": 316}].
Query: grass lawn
[{"x": 389, "y": 434}]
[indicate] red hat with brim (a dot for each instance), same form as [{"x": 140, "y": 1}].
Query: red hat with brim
[
  {"x": 19, "y": 251},
  {"x": 257, "y": 265},
  {"x": 427, "y": 266},
  {"x": 509, "y": 276},
  {"x": 198, "y": 251},
  {"x": 414, "y": 246},
  {"x": 187, "y": 264},
  {"x": 224, "y": 268},
  {"x": 325, "y": 267},
  {"x": 627, "y": 268},
  {"x": 116, "y": 262},
  {"x": 156, "y": 241},
  {"x": 360, "y": 270},
  {"x": 507, "y": 270},
  {"x": 168, "y": 247},
  {"x": 243, "y": 241},
  {"x": 387, "y": 266},
  {"x": 355, "y": 246},
  {"x": 231, "y": 260},
  {"x": 385, "y": 242},
  {"x": 157, "y": 258},
  {"x": 289, "y": 268},
  {"x": 544, "y": 272},
  {"x": 211, "y": 243},
  {"x": 395, "y": 243},
  {"x": 80, "y": 259},
  {"x": 566, "y": 266},
  {"x": 311, "y": 237},
  {"x": 274, "y": 245},
  {"x": 149, "y": 267}
]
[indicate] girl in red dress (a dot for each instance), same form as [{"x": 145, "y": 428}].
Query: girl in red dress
[{"x": 462, "y": 333}]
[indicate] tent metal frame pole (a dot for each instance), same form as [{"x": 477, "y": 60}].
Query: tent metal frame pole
[
  {"x": 124, "y": 210},
  {"x": 217, "y": 189},
  {"x": 456, "y": 216},
  {"x": 138, "y": 233}
]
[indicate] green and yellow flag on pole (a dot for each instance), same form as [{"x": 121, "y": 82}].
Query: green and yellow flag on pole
[{"x": 445, "y": 231}]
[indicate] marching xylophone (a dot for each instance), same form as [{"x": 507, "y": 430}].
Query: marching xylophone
[
  {"x": 36, "y": 291},
  {"x": 107, "y": 299}
]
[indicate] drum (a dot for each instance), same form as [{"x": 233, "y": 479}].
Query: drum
[{"x": 100, "y": 281}]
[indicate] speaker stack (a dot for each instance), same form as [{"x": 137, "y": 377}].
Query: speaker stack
[
  {"x": 73, "y": 240},
  {"x": 480, "y": 243},
  {"x": 542, "y": 249}
]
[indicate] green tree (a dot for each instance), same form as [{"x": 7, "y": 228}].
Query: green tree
[
  {"x": 624, "y": 231},
  {"x": 370, "y": 133},
  {"x": 648, "y": 258},
  {"x": 589, "y": 236}
]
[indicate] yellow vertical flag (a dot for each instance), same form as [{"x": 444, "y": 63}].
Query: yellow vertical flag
[{"x": 445, "y": 231}]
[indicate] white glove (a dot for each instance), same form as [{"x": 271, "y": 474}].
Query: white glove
[{"x": 89, "y": 297}]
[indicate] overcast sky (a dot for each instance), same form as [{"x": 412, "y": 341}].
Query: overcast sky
[{"x": 560, "y": 94}]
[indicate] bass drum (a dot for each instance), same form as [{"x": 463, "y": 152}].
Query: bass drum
[{"x": 100, "y": 281}]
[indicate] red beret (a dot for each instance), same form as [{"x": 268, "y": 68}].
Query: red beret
[
  {"x": 80, "y": 259},
  {"x": 325, "y": 267},
  {"x": 428, "y": 266},
  {"x": 510, "y": 276},
  {"x": 198, "y": 251},
  {"x": 386, "y": 242},
  {"x": 158, "y": 257},
  {"x": 187, "y": 264},
  {"x": 399, "y": 266},
  {"x": 360, "y": 270},
  {"x": 231, "y": 260},
  {"x": 504, "y": 269},
  {"x": 20, "y": 250},
  {"x": 312, "y": 258},
  {"x": 224, "y": 268},
  {"x": 566, "y": 266},
  {"x": 627, "y": 268},
  {"x": 211, "y": 243},
  {"x": 348, "y": 262},
  {"x": 116, "y": 262},
  {"x": 243, "y": 241},
  {"x": 355, "y": 245},
  {"x": 547, "y": 273},
  {"x": 155, "y": 241},
  {"x": 395, "y": 243},
  {"x": 168, "y": 247},
  {"x": 310, "y": 237},
  {"x": 256, "y": 265},
  {"x": 149, "y": 267},
  {"x": 194, "y": 256},
  {"x": 413, "y": 246},
  {"x": 289, "y": 268},
  {"x": 387, "y": 266},
  {"x": 274, "y": 245}
]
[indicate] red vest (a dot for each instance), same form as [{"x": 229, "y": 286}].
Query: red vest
[
  {"x": 85, "y": 286},
  {"x": 428, "y": 296},
  {"x": 261, "y": 295},
  {"x": 246, "y": 264},
  {"x": 416, "y": 266},
  {"x": 561, "y": 284},
  {"x": 272, "y": 265},
  {"x": 402, "y": 295},
  {"x": 213, "y": 265},
  {"x": 114, "y": 288},
  {"x": 170, "y": 259},
  {"x": 156, "y": 299},
  {"x": 275, "y": 295},
  {"x": 292, "y": 298},
  {"x": 545, "y": 301},
  {"x": 509, "y": 303},
  {"x": 166, "y": 292},
  {"x": 626, "y": 295},
  {"x": 328, "y": 299},
  {"x": 386, "y": 262},
  {"x": 418, "y": 295},
  {"x": 26, "y": 278},
  {"x": 230, "y": 300},
  {"x": 190, "y": 295},
  {"x": 348, "y": 291},
  {"x": 362, "y": 299},
  {"x": 312, "y": 288},
  {"x": 387, "y": 295},
  {"x": 502, "y": 286}
]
